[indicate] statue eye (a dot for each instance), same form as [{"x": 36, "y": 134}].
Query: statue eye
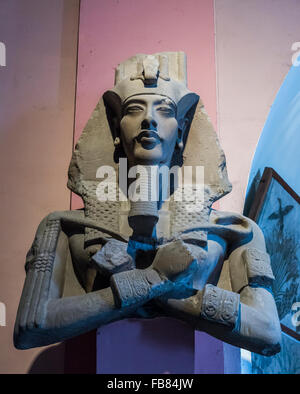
[
  {"x": 131, "y": 109},
  {"x": 166, "y": 110}
]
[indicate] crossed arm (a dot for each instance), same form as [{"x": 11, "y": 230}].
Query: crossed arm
[
  {"x": 244, "y": 315},
  {"x": 45, "y": 317}
]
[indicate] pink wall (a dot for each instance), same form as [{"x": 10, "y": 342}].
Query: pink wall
[
  {"x": 252, "y": 52},
  {"x": 36, "y": 123},
  {"x": 113, "y": 30}
]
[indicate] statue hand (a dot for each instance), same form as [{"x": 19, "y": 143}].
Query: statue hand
[
  {"x": 171, "y": 271},
  {"x": 210, "y": 266},
  {"x": 177, "y": 260},
  {"x": 112, "y": 258},
  {"x": 178, "y": 263}
]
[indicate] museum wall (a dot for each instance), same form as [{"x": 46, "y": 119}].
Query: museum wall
[
  {"x": 278, "y": 146},
  {"x": 36, "y": 123},
  {"x": 239, "y": 53},
  {"x": 253, "y": 57}
]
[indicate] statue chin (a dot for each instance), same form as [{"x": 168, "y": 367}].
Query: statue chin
[{"x": 150, "y": 155}]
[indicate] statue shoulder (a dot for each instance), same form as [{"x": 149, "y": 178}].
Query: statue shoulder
[
  {"x": 234, "y": 228},
  {"x": 249, "y": 263},
  {"x": 227, "y": 218},
  {"x": 230, "y": 218},
  {"x": 48, "y": 232},
  {"x": 60, "y": 217}
]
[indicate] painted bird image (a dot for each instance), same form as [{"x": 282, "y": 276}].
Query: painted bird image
[{"x": 280, "y": 214}]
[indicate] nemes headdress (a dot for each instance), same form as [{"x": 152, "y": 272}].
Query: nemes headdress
[{"x": 163, "y": 74}]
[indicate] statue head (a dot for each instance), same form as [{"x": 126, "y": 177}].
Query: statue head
[
  {"x": 149, "y": 113},
  {"x": 150, "y": 117}
]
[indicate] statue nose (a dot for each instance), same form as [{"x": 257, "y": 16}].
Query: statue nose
[{"x": 149, "y": 123}]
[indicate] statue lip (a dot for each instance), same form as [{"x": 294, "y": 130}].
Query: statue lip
[{"x": 148, "y": 139}]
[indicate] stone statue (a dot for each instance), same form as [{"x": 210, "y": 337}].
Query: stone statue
[{"x": 129, "y": 255}]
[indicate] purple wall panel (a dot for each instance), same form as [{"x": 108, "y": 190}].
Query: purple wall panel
[{"x": 157, "y": 346}]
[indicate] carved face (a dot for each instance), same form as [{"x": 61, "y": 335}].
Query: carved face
[{"x": 149, "y": 129}]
